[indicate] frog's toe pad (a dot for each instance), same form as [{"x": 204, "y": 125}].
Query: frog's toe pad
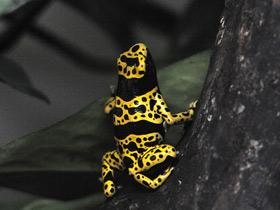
[
  {"x": 109, "y": 189},
  {"x": 193, "y": 104}
]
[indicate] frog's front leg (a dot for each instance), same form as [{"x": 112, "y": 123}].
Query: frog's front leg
[
  {"x": 185, "y": 116},
  {"x": 178, "y": 118},
  {"x": 109, "y": 104},
  {"x": 110, "y": 161},
  {"x": 150, "y": 158}
]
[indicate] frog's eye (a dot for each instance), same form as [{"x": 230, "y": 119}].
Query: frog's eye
[
  {"x": 147, "y": 64},
  {"x": 150, "y": 67}
]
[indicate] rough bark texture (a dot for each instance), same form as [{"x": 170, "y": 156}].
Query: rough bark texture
[{"x": 231, "y": 153}]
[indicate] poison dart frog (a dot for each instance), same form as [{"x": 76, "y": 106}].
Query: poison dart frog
[{"x": 140, "y": 115}]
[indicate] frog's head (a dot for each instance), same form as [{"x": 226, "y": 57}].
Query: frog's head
[{"x": 136, "y": 62}]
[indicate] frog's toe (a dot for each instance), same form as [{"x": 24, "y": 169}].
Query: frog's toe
[
  {"x": 109, "y": 189},
  {"x": 193, "y": 104}
]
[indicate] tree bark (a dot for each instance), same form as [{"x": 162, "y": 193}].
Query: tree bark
[{"x": 231, "y": 153}]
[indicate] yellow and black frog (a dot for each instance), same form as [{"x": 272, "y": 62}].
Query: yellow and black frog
[{"x": 140, "y": 115}]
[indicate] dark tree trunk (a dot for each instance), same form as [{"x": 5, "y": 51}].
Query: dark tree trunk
[{"x": 231, "y": 153}]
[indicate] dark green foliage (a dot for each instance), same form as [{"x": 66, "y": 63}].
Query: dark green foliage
[{"x": 13, "y": 75}]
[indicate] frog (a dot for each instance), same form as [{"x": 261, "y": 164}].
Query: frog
[{"x": 140, "y": 117}]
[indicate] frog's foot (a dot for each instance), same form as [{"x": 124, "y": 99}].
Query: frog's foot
[
  {"x": 155, "y": 156},
  {"x": 110, "y": 161},
  {"x": 109, "y": 188},
  {"x": 113, "y": 90},
  {"x": 193, "y": 104}
]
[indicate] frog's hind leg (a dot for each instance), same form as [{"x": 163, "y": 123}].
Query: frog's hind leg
[
  {"x": 110, "y": 161},
  {"x": 152, "y": 157},
  {"x": 156, "y": 182}
]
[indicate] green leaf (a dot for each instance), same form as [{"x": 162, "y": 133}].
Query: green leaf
[
  {"x": 13, "y": 75},
  {"x": 63, "y": 161},
  {"x": 12, "y": 205},
  {"x": 7, "y": 6},
  {"x": 88, "y": 202},
  {"x": 181, "y": 84}
]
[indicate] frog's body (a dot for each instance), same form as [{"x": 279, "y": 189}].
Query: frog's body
[{"x": 139, "y": 114}]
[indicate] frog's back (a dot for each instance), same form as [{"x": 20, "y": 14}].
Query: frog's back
[
  {"x": 137, "y": 119},
  {"x": 138, "y": 116}
]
